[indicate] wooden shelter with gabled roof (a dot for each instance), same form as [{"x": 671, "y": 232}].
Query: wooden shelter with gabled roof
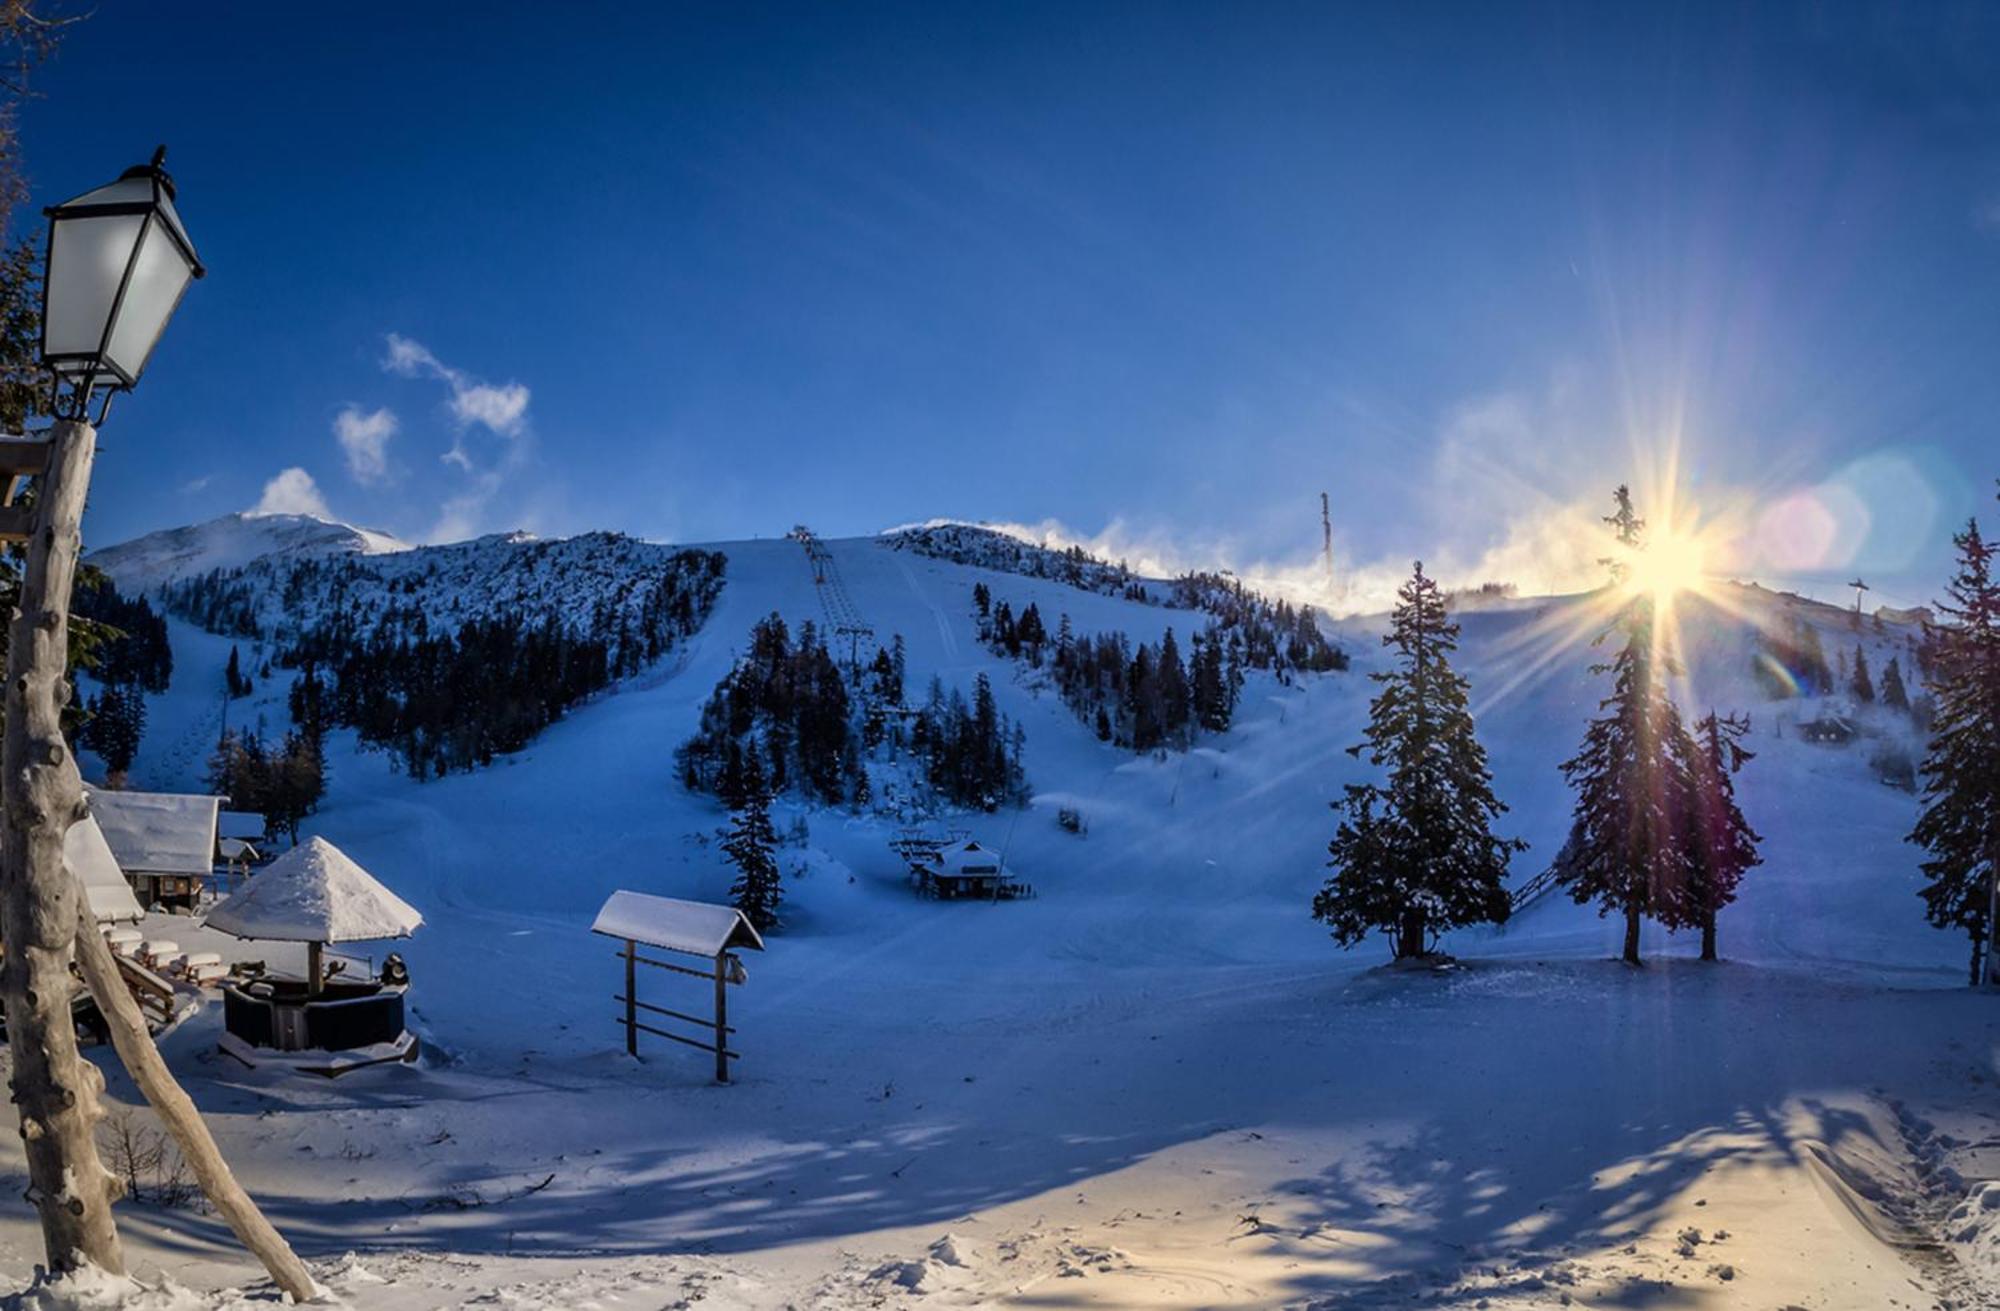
[{"x": 163, "y": 841}]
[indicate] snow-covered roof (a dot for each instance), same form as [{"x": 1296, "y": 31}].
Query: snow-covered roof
[
  {"x": 697, "y": 927},
  {"x": 969, "y": 859},
  {"x": 236, "y": 849},
  {"x": 157, "y": 832},
  {"x": 89, "y": 858},
  {"x": 245, "y": 824},
  {"x": 315, "y": 893}
]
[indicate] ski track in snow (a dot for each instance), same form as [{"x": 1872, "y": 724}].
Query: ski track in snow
[{"x": 1157, "y": 1083}]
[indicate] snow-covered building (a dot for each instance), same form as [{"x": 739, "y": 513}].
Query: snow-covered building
[
  {"x": 966, "y": 869},
  {"x": 165, "y": 842},
  {"x": 89, "y": 857},
  {"x": 242, "y": 825}
]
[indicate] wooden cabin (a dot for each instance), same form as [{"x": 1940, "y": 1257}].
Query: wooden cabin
[
  {"x": 165, "y": 842},
  {"x": 1829, "y": 729}
]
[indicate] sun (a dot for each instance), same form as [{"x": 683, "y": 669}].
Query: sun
[{"x": 1668, "y": 564}]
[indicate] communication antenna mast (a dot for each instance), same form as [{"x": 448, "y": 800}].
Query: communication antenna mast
[{"x": 1326, "y": 535}]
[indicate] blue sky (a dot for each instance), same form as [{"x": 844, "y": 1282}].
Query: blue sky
[{"x": 1158, "y": 274}]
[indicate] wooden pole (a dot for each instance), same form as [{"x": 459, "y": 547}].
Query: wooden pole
[
  {"x": 721, "y": 1017},
  {"x": 55, "y": 1088},
  {"x": 177, "y": 1111},
  {"x": 315, "y": 968},
  {"x": 631, "y": 997}
]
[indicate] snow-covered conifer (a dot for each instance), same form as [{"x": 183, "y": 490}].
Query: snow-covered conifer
[
  {"x": 1725, "y": 845},
  {"x": 1627, "y": 847},
  {"x": 1960, "y": 824},
  {"x": 751, "y": 846},
  {"x": 1416, "y": 855}
]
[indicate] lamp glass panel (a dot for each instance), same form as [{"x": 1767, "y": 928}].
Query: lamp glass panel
[
  {"x": 87, "y": 259},
  {"x": 173, "y": 217},
  {"x": 159, "y": 276}
]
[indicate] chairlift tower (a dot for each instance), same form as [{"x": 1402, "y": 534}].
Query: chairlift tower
[{"x": 843, "y": 617}]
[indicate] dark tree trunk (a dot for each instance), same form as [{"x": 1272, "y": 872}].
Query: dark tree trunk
[
  {"x": 1632, "y": 935},
  {"x": 1708, "y": 936},
  {"x": 1410, "y": 935}
]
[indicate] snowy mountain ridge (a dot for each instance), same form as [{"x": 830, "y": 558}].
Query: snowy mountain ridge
[
  {"x": 145, "y": 563},
  {"x": 592, "y": 582}
]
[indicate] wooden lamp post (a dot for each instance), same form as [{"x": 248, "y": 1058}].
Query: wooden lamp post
[{"x": 118, "y": 262}]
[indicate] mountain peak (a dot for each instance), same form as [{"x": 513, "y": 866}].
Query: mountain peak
[{"x": 148, "y": 562}]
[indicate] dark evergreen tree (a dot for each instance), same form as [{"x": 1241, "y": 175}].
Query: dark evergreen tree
[
  {"x": 1416, "y": 856},
  {"x": 1859, "y": 685},
  {"x": 1960, "y": 824},
  {"x": 1171, "y": 694},
  {"x": 1215, "y": 685},
  {"x": 1817, "y": 678},
  {"x": 235, "y": 681},
  {"x": 116, "y": 726},
  {"x": 1725, "y": 846},
  {"x": 751, "y": 846},
  {"x": 1894, "y": 695},
  {"x": 1627, "y": 847}
]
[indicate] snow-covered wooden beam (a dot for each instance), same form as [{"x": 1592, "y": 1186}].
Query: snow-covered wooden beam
[{"x": 20, "y": 457}]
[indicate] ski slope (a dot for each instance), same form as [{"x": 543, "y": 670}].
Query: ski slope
[{"x": 1156, "y": 1083}]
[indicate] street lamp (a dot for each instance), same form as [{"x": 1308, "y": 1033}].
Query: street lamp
[{"x": 118, "y": 263}]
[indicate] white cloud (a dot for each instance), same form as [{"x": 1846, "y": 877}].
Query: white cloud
[
  {"x": 364, "y": 438},
  {"x": 503, "y": 409},
  {"x": 500, "y": 408},
  {"x": 293, "y": 491},
  {"x": 489, "y": 477}
]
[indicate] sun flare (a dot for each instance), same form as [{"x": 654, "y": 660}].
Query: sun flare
[{"x": 1669, "y": 564}]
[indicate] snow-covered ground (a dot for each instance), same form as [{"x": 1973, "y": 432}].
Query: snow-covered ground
[{"x": 1157, "y": 1083}]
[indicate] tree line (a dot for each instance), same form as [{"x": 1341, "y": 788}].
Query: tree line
[
  {"x": 125, "y": 648},
  {"x": 788, "y": 714},
  {"x": 451, "y": 698},
  {"x": 1148, "y": 696}
]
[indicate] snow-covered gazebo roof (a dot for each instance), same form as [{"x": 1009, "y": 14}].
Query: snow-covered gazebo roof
[
  {"x": 89, "y": 857},
  {"x": 697, "y": 927},
  {"x": 157, "y": 832},
  {"x": 315, "y": 893}
]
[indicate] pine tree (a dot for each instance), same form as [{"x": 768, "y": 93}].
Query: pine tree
[
  {"x": 1627, "y": 849},
  {"x": 1724, "y": 843},
  {"x": 1171, "y": 688},
  {"x": 1860, "y": 686},
  {"x": 1417, "y": 856},
  {"x": 116, "y": 726},
  {"x": 1894, "y": 695},
  {"x": 1960, "y": 823},
  {"x": 1214, "y": 696},
  {"x": 751, "y": 846},
  {"x": 1813, "y": 669}
]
